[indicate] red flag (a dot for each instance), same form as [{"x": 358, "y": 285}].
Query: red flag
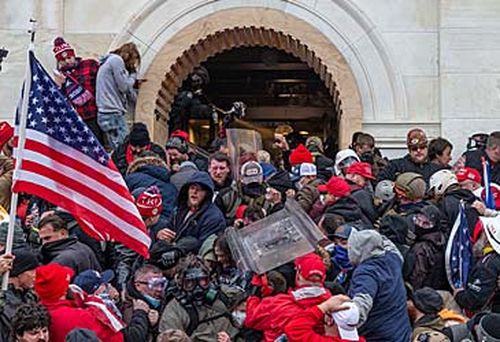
[{"x": 63, "y": 163}]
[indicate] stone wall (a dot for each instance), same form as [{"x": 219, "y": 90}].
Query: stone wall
[{"x": 429, "y": 63}]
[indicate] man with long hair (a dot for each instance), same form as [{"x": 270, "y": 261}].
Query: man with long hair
[{"x": 116, "y": 91}]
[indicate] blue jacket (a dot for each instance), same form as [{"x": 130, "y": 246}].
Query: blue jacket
[
  {"x": 148, "y": 175},
  {"x": 377, "y": 288},
  {"x": 207, "y": 220}
]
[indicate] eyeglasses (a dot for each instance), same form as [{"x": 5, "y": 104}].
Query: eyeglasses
[
  {"x": 417, "y": 147},
  {"x": 155, "y": 283}
]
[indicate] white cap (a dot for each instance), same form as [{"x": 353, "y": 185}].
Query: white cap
[
  {"x": 307, "y": 169},
  {"x": 346, "y": 321}
]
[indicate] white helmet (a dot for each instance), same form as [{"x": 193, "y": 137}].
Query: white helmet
[
  {"x": 440, "y": 181},
  {"x": 385, "y": 190},
  {"x": 343, "y": 159}
]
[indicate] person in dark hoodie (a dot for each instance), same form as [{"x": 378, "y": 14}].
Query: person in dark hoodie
[
  {"x": 446, "y": 191},
  {"x": 147, "y": 171},
  {"x": 358, "y": 176},
  {"x": 195, "y": 216},
  {"x": 137, "y": 141},
  {"x": 377, "y": 287},
  {"x": 58, "y": 246},
  {"x": 276, "y": 193},
  {"x": 416, "y": 160},
  {"x": 424, "y": 262}
]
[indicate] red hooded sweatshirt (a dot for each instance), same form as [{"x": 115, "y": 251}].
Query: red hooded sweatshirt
[{"x": 272, "y": 314}]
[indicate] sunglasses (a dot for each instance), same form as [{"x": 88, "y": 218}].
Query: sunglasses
[{"x": 417, "y": 147}]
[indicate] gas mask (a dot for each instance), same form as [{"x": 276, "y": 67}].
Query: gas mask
[{"x": 196, "y": 284}]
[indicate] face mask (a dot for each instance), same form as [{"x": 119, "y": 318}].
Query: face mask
[
  {"x": 155, "y": 303},
  {"x": 239, "y": 318},
  {"x": 341, "y": 257}
]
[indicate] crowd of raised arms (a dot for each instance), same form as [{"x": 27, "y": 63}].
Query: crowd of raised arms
[{"x": 391, "y": 264}]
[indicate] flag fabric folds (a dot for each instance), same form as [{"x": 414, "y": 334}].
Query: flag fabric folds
[
  {"x": 458, "y": 254},
  {"x": 489, "y": 200},
  {"x": 63, "y": 163}
]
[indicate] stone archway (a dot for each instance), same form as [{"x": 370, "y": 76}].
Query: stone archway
[
  {"x": 300, "y": 37},
  {"x": 233, "y": 38}
]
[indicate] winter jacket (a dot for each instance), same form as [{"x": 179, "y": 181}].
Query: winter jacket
[
  {"x": 127, "y": 308},
  {"x": 449, "y": 205},
  {"x": 405, "y": 164},
  {"x": 205, "y": 221},
  {"x": 119, "y": 156},
  {"x": 324, "y": 166},
  {"x": 71, "y": 253},
  {"x": 271, "y": 315},
  {"x": 364, "y": 199},
  {"x": 308, "y": 195},
  {"x": 349, "y": 209},
  {"x": 6, "y": 171},
  {"x": 377, "y": 288},
  {"x": 230, "y": 198},
  {"x": 482, "y": 290},
  {"x": 473, "y": 159},
  {"x": 114, "y": 85},
  {"x": 424, "y": 262},
  {"x": 66, "y": 315},
  {"x": 212, "y": 319},
  {"x": 11, "y": 300},
  {"x": 301, "y": 327},
  {"x": 146, "y": 172}
]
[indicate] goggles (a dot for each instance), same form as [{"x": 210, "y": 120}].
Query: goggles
[
  {"x": 156, "y": 283},
  {"x": 195, "y": 277}
]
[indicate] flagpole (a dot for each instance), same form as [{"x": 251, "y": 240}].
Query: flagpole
[{"x": 23, "y": 117}]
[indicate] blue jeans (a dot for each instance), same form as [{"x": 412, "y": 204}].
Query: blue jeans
[{"x": 114, "y": 125}]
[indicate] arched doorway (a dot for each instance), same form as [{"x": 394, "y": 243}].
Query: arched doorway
[
  {"x": 277, "y": 87},
  {"x": 261, "y": 46}
]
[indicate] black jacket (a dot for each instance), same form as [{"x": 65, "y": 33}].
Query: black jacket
[
  {"x": 473, "y": 160},
  {"x": 71, "y": 253},
  {"x": 119, "y": 156},
  {"x": 11, "y": 300},
  {"x": 482, "y": 289},
  {"x": 424, "y": 262},
  {"x": 350, "y": 210},
  {"x": 450, "y": 204},
  {"x": 405, "y": 164},
  {"x": 364, "y": 198}
]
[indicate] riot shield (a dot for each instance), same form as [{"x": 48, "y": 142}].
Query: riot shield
[
  {"x": 240, "y": 142},
  {"x": 275, "y": 240}
]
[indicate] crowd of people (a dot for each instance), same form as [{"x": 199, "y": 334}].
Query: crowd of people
[{"x": 378, "y": 274}]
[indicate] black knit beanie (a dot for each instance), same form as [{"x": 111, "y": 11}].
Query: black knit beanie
[
  {"x": 427, "y": 300},
  {"x": 139, "y": 135},
  {"x": 24, "y": 260}
]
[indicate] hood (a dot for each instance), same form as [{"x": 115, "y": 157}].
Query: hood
[
  {"x": 157, "y": 172},
  {"x": 104, "y": 58},
  {"x": 310, "y": 295},
  {"x": 363, "y": 245},
  {"x": 198, "y": 177},
  {"x": 341, "y": 156},
  {"x": 137, "y": 164},
  {"x": 462, "y": 194}
]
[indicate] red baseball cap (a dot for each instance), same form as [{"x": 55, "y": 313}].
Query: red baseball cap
[
  {"x": 310, "y": 265},
  {"x": 362, "y": 169},
  {"x": 336, "y": 186},
  {"x": 6, "y": 132},
  {"x": 52, "y": 281},
  {"x": 468, "y": 173},
  {"x": 180, "y": 134}
]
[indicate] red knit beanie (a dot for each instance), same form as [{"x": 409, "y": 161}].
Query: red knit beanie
[
  {"x": 62, "y": 49},
  {"x": 300, "y": 155},
  {"x": 52, "y": 281}
]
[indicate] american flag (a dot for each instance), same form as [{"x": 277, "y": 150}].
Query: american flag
[
  {"x": 458, "y": 255},
  {"x": 489, "y": 200},
  {"x": 64, "y": 163}
]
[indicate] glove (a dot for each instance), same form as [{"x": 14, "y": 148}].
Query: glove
[{"x": 169, "y": 259}]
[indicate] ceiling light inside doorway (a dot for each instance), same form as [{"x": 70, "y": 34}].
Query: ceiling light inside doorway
[
  {"x": 303, "y": 132},
  {"x": 205, "y": 126}
]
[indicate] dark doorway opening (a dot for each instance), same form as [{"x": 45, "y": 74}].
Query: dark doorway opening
[{"x": 277, "y": 88}]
